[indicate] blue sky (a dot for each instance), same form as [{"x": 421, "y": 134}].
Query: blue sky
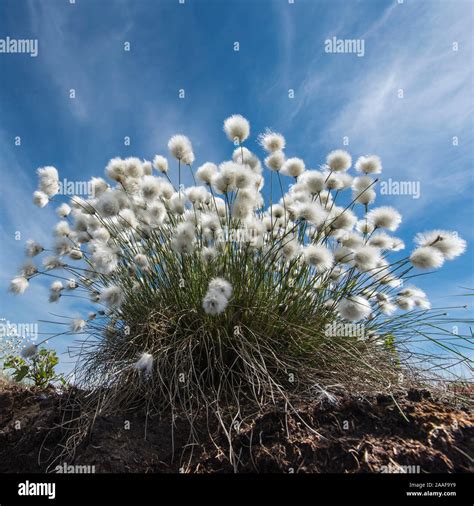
[{"x": 190, "y": 46}]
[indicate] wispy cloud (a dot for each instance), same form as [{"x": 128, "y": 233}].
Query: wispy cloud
[
  {"x": 405, "y": 100},
  {"x": 70, "y": 60}
]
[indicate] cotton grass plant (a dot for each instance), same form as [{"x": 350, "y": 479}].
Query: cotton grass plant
[{"x": 207, "y": 299}]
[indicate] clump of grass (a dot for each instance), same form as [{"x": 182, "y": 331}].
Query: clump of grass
[{"x": 210, "y": 300}]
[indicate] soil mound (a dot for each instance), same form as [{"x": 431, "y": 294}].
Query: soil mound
[{"x": 350, "y": 435}]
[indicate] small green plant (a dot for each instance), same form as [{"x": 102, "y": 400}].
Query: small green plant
[{"x": 39, "y": 369}]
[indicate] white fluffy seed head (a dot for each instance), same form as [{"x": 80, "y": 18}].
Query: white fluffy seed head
[
  {"x": 112, "y": 296},
  {"x": 381, "y": 240},
  {"x": 131, "y": 185},
  {"x": 289, "y": 248},
  {"x": 341, "y": 218},
  {"x": 313, "y": 181},
  {"x": 101, "y": 234},
  {"x": 188, "y": 158},
  {"x": 156, "y": 212},
  {"x": 62, "y": 246},
  {"x": 52, "y": 262},
  {"x": 214, "y": 302},
  {"x": 18, "y": 285},
  {"x": 364, "y": 227},
  {"x": 343, "y": 255},
  {"x": 318, "y": 256},
  {"x": 166, "y": 189},
  {"x": 447, "y": 242},
  {"x": 127, "y": 219},
  {"x": 147, "y": 168},
  {"x": 221, "y": 285},
  {"x": 271, "y": 141},
  {"x": 366, "y": 258},
  {"x": 351, "y": 239},
  {"x": 98, "y": 186},
  {"x": 385, "y": 217},
  {"x": 48, "y": 180},
  {"x": 363, "y": 182},
  {"x": 133, "y": 167},
  {"x": 309, "y": 211},
  {"x": 33, "y": 248},
  {"x": 57, "y": 286},
  {"x": 150, "y": 186},
  {"x": 338, "y": 160},
  {"x": 363, "y": 190},
  {"x": 205, "y": 172},
  {"x": 142, "y": 261},
  {"x": 177, "y": 203},
  {"x": 71, "y": 284},
  {"x": 412, "y": 291},
  {"x": 160, "y": 163},
  {"x": 186, "y": 231},
  {"x": 115, "y": 169},
  {"x": 397, "y": 244},
  {"x": 275, "y": 161},
  {"x": 144, "y": 364},
  {"x": 179, "y": 146},
  {"x": 369, "y": 164},
  {"x": 62, "y": 229},
  {"x": 244, "y": 177},
  {"x": 237, "y": 128},
  {"x": 404, "y": 303},
  {"x": 63, "y": 210},
  {"x": 208, "y": 254},
  {"x": 197, "y": 195},
  {"x": 345, "y": 179},
  {"x": 40, "y": 198},
  {"x": 104, "y": 259},
  {"x": 28, "y": 269},
  {"x": 244, "y": 156},
  {"x": 224, "y": 181},
  {"x": 293, "y": 167},
  {"x": 354, "y": 308},
  {"x": 277, "y": 211},
  {"x": 333, "y": 181},
  {"x": 243, "y": 204},
  {"x": 210, "y": 222},
  {"x": 77, "y": 325},
  {"x": 387, "y": 308},
  {"x": 427, "y": 257},
  {"x": 422, "y": 303},
  {"x": 364, "y": 197},
  {"x": 108, "y": 204}
]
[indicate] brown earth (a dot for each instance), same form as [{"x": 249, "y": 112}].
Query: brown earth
[{"x": 353, "y": 435}]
